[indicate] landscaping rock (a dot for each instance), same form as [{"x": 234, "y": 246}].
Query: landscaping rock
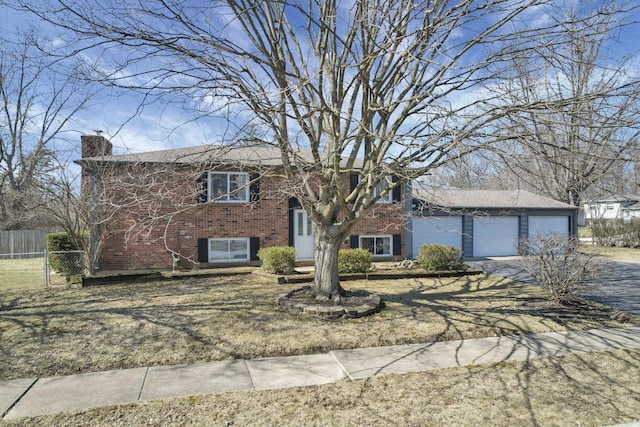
[{"x": 301, "y": 301}]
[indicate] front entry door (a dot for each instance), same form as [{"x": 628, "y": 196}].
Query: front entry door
[{"x": 303, "y": 231}]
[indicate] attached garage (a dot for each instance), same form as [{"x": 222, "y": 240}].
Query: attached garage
[
  {"x": 484, "y": 222},
  {"x": 540, "y": 225},
  {"x": 441, "y": 230},
  {"x": 495, "y": 236}
]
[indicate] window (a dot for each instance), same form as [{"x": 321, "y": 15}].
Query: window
[
  {"x": 229, "y": 186},
  {"x": 610, "y": 206},
  {"x": 377, "y": 245},
  {"x": 379, "y": 189},
  {"x": 228, "y": 250}
]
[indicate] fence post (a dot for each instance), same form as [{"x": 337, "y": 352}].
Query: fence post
[{"x": 46, "y": 269}]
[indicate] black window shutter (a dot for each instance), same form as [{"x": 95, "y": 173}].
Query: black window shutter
[
  {"x": 397, "y": 244},
  {"x": 254, "y": 188},
  {"x": 354, "y": 242},
  {"x": 254, "y": 247},
  {"x": 396, "y": 193},
  {"x": 354, "y": 179},
  {"x": 203, "y": 184},
  {"x": 203, "y": 250}
]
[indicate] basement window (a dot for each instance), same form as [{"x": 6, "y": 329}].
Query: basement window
[
  {"x": 228, "y": 250},
  {"x": 377, "y": 245}
]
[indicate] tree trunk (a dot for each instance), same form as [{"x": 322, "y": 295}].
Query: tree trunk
[{"x": 326, "y": 284}]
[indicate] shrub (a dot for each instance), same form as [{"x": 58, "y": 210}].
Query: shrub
[
  {"x": 608, "y": 232},
  {"x": 278, "y": 259},
  {"x": 66, "y": 264},
  {"x": 555, "y": 263},
  {"x": 354, "y": 260},
  {"x": 440, "y": 257}
]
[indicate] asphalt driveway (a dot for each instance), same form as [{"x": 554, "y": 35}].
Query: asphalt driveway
[{"x": 620, "y": 290}]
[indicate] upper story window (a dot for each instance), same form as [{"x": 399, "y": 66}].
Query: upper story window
[
  {"x": 229, "y": 186},
  {"x": 610, "y": 206},
  {"x": 387, "y": 198},
  {"x": 393, "y": 195}
]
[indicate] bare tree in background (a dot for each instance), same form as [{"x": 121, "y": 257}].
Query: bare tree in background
[
  {"x": 383, "y": 89},
  {"x": 37, "y": 103},
  {"x": 586, "y": 124}
]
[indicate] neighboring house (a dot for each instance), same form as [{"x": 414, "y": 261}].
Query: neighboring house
[
  {"x": 484, "y": 222},
  {"x": 614, "y": 207},
  {"x": 240, "y": 208}
]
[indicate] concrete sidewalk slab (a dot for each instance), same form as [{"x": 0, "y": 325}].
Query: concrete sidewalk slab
[
  {"x": 201, "y": 378},
  {"x": 367, "y": 362},
  {"x": 11, "y": 391},
  {"x": 83, "y": 391},
  {"x": 565, "y": 342},
  {"x": 294, "y": 371}
]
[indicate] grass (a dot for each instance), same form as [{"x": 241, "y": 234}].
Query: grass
[
  {"x": 614, "y": 252},
  {"x": 55, "y": 332},
  {"x": 588, "y": 390},
  {"x": 21, "y": 273},
  {"x": 46, "y": 333}
]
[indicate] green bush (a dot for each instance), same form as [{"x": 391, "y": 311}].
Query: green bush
[
  {"x": 66, "y": 264},
  {"x": 440, "y": 257},
  {"x": 354, "y": 260},
  {"x": 278, "y": 259}
]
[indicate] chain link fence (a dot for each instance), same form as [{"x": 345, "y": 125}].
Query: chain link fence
[
  {"x": 64, "y": 267},
  {"x": 41, "y": 269},
  {"x": 23, "y": 270}
]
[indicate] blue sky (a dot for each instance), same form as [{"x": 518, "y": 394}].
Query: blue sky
[
  {"x": 118, "y": 113},
  {"x": 164, "y": 124}
]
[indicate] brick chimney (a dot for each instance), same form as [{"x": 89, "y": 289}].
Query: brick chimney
[{"x": 95, "y": 146}]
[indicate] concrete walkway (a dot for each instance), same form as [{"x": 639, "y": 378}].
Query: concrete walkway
[{"x": 41, "y": 396}]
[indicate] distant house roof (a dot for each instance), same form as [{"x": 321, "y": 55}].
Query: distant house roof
[
  {"x": 616, "y": 198},
  {"x": 486, "y": 199},
  {"x": 633, "y": 207},
  {"x": 258, "y": 155}
]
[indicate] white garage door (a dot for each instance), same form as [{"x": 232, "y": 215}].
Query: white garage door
[
  {"x": 548, "y": 224},
  {"x": 445, "y": 230},
  {"x": 495, "y": 236}
]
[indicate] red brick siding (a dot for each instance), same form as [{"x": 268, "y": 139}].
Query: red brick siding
[{"x": 267, "y": 219}]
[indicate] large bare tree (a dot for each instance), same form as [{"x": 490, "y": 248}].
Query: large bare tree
[
  {"x": 586, "y": 87},
  {"x": 38, "y": 100},
  {"x": 383, "y": 89}
]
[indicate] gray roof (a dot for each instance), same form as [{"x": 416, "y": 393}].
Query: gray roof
[
  {"x": 259, "y": 155},
  {"x": 619, "y": 198},
  {"x": 486, "y": 199}
]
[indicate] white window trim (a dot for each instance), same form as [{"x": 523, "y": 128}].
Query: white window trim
[
  {"x": 227, "y": 239},
  {"x": 388, "y": 198},
  {"x": 244, "y": 191},
  {"x": 378, "y": 236}
]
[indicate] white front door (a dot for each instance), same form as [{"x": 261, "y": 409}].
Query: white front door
[{"x": 303, "y": 231}]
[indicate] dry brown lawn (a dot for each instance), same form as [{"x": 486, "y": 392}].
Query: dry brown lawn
[
  {"x": 613, "y": 252},
  {"x": 46, "y": 333}
]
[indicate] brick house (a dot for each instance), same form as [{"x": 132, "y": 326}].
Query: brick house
[{"x": 218, "y": 208}]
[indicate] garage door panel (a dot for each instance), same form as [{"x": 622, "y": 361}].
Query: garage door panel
[
  {"x": 437, "y": 230},
  {"x": 495, "y": 236},
  {"x": 541, "y": 225}
]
